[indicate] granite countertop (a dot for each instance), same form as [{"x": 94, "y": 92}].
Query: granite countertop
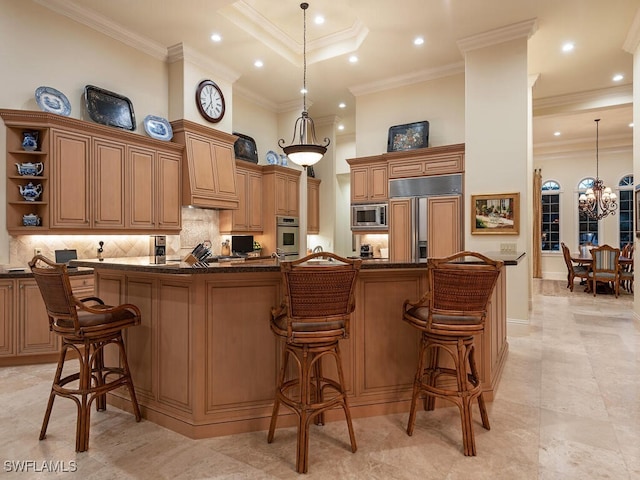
[
  {"x": 258, "y": 264},
  {"x": 24, "y": 272}
]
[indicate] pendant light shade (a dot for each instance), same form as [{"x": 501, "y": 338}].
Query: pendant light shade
[{"x": 304, "y": 149}]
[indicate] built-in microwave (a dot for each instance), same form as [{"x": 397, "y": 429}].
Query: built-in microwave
[{"x": 369, "y": 217}]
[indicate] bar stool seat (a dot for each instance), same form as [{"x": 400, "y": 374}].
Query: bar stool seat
[
  {"x": 312, "y": 319},
  {"x": 86, "y": 326},
  {"x": 448, "y": 316}
]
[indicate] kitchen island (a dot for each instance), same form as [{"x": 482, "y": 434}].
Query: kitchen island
[{"x": 204, "y": 360}]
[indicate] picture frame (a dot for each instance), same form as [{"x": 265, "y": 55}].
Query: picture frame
[
  {"x": 637, "y": 207},
  {"x": 496, "y": 214},
  {"x": 245, "y": 148},
  {"x": 408, "y": 136}
]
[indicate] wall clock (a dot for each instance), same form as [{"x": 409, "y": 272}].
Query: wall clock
[{"x": 210, "y": 101}]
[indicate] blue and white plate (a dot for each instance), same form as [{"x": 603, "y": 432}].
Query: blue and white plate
[
  {"x": 158, "y": 128},
  {"x": 272, "y": 158},
  {"x": 52, "y": 101}
]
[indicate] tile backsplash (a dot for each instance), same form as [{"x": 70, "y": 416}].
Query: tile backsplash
[{"x": 197, "y": 225}]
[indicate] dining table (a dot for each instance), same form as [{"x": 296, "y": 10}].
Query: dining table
[{"x": 586, "y": 261}]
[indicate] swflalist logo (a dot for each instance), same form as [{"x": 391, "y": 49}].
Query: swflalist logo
[{"x": 53, "y": 466}]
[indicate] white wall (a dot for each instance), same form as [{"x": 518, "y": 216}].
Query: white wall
[{"x": 439, "y": 101}]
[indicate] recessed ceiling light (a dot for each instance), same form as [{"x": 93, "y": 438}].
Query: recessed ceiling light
[
  {"x": 340, "y": 127},
  {"x": 258, "y": 64},
  {"x": 631, "y": 124},
  {"x": 304, "y": 91},
  {"x": 418, "y": 41},
  {"x": 568, "y": 47},
  {"x": 557, "y": 134},
  {"x": 319, "y": 20},
  {"x": 215, "y": 37},
  {"x": 617, "y": 77},
  {"x": 342, "y": 105},
  {"x": 353, "y": 59}
]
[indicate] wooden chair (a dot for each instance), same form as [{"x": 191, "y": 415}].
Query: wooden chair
[
  {"x": 605, "y": 268},
  {"x": 86, "y": 326},
  {"x": 451, "y": 312},
  {"x": 626, "y": 271},
  {"x": 573, "y": 270},
  {"x": 313, "y": 317}
]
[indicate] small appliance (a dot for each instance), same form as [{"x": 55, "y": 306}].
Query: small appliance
[
  {"x": 158, "y": 247},
  {"x": 366, "y": 251},
  {"x": 369, "y": 217}
]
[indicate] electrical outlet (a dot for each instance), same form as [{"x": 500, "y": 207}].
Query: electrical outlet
[{"x": 37, "y": 251}]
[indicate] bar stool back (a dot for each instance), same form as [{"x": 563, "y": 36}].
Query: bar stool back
[
  {"x": 313, "y": 317},
  {"x": 86, "y": 326},
  {"x": 450, "y": 313}
]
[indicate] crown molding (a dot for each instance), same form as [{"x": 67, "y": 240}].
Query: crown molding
[
  {"x": 632, "y": 42},
  {"x": 409, "y": 79},
  {"x": 103, "y": 25},
  {"x": 514, "y": 31},
  {"x": 180, "y": 51},
  {"x": 604, "y": 97}
]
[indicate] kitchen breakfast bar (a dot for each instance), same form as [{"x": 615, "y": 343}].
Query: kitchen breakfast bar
[{"x": 204, "y": 360}]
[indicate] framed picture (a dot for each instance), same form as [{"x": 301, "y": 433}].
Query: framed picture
[
  {"x": 637, "y": 207},
  {"x": 495, "y": 214},
  {"x": 245, "y": 148},
  {"x": 408, "y": 136}
]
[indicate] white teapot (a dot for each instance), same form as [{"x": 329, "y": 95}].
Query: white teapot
[{"x": 30, "y": 192}]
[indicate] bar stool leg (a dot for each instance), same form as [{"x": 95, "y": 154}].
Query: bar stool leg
[
  {"x": 476, "y": 381},
  {"x": 276, "y": 403},
  {"x": 317, "y": 369},
  {"x": 84, "y": 407},
  {"x": 345, "y": 405},
  {"x": 52, "y": 395},
  {"x": 417, "y": 385},
  {"x": 431, "y": 372},
  {"x": 98, "y": 360}
]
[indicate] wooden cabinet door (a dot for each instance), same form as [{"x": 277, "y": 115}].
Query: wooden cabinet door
[
  {"x": 293, "y": 193},
  {"x": 254, "y": 203},
  {"x": 313, "y": 206},
  {"x": 168, "y": 206},
  {"x": 359, "y": 184},
  {"x": 33, "y": 322},
  {"x": 378, "y": 183},
  {"x": 70, "y": 180},
  {"x": 240, "y": 217},
  {"x": 400, "y": 230},
  {"x": 7, "y": 344},
  {"x": 109, "y": 184},
  {"x": 140, "y": 188},
  {"x": 444, "y": 230},
  {"x": 212, "y": 169}
]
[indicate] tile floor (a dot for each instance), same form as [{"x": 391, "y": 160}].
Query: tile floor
[{"x": 568, "y": 407}]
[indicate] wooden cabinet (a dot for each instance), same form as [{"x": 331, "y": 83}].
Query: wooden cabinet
[
  {"x": 209, "y": 169},
  {"x": 426, "y": 161},
  {"x": 444, "y": 227},
  {"x": 313, "y": 205},
  {"x": 247, "y": 218},
  {"x": 24, "y": 323},
  {"x": 94, "y": 178},
  {"x": 369, "y": 179},
  {"x": 444, "y": 232},
  {"x": 281, "y": 191}
]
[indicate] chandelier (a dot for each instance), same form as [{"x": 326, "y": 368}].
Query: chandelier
[
  {"x": 307, "y": 151},
  {"x": 598, "y": 201}
]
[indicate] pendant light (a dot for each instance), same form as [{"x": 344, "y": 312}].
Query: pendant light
[
  {"x": 598, "y": 201},
  {"x": 307, "y": 151}
]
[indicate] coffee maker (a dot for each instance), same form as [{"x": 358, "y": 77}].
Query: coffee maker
[
  {"x": 158, "y": 247},
  {"x": 366, "y": 251}
]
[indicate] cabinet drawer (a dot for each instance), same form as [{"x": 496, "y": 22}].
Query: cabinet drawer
[
  {"x": 448, "y": 164},
  {"x": 406, "y": 169}
]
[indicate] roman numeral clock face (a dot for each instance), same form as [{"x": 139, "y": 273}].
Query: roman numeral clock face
[{"x": 210, "y": 101}]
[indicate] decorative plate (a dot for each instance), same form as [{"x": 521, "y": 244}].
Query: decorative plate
[
  {"x": 52, "y": 101},
  {"x": 109, "y": 108},
  {"x": 158, "y": 128},
  {"x": 272, "y": 158}
]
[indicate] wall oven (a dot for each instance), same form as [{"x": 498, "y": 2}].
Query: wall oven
[
  {"x": 288, "y": 235},
  {"x": 369, "y": 217}
]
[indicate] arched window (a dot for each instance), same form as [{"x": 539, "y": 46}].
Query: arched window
[
  {"x": 625, "y": 208},
  {"x": 550, "y": 216},
  {"x": 587, "y": 226}
]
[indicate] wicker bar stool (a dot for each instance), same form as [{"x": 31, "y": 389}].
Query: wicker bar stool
[
  {"x": 451, "y": 312},
  {"x": 86, "y": 326},
  {"x": 313, "y": 317}
]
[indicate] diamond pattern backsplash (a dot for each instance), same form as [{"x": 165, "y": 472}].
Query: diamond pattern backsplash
[{"x": 198, "y": 225}]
